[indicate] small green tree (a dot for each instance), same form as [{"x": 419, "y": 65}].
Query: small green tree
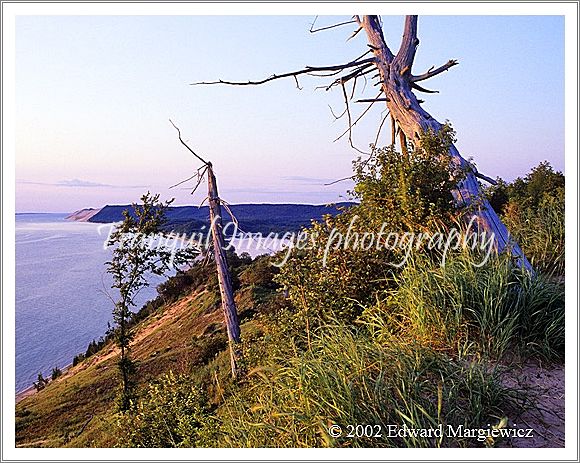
[{"x": 138, "y": 252}]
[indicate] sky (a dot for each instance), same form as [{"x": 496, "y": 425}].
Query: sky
[{"x": 94, "y": 95}]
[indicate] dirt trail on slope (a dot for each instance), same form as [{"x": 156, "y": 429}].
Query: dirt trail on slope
[{"x": 545, "y": 411}]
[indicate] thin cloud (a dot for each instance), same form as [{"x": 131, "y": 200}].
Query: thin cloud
[
  {"x": 75, "y": 182},
  {"x": 306, "y": 180},
  {"x": 78, "y": 183}
]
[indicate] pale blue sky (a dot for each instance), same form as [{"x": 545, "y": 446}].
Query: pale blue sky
[{"x": 94, "y": 94}]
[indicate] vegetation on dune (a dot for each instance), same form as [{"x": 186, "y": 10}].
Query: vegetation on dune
[{"x": 350, "y": 339}]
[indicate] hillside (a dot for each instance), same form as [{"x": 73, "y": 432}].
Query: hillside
[
  {"x": 342, "y": 338},
  {"x": 252, "y": 218},
  {"x": 82, "y": 215},
  {"x": 185, "y": 335}
]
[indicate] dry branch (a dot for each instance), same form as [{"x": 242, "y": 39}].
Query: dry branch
[
  {"x": 433, "y": 72},
  {"x": 306, "y": 70},
  {"x": 312, "y": 30},
  {"x": 422, "y": 89},
  {"x": 185, "y": 144}
]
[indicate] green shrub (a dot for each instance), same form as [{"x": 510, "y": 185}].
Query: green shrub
[
  {"x": 172, "y": 412},
  {"x": 55, "y": 373},
  {"x": 397, "y": 193},
  {"x": 533, "y": 210}
]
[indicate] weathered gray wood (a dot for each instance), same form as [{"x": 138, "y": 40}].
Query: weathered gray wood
[
  {"x": 397, "y": 83},
  {"x": 224, "y": 279}
]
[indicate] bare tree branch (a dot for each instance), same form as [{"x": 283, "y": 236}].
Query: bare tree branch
[
  {"x": 380, "y": 128},
  {"x": 199, "y": 180},
  {"x": 371, "y": 24},
  {"x": 339, "y": 180},
  {"x": 421, "y": 89},
  {"x": 406, "y": 54},
  {"x": 370, "y": 100},
  {"x": 334, "y": 115},
  {"x": 226, "y": 206},
  {"x": 350, "y": 126},
  {"x": 403, "y": 141},
  {"x": 197, "y": 174},
  {"x": 297, "y": 84},
  {"x": 485, "y": 177},
  {"x": 433, "y": 72},
  {"x": 306, "y": 70},
  {"x": 185, "y": 144},
  {"x": 356, "y": 73},
  {"x": 354, "y": 33},
  {"x": 312, "y": 30}
]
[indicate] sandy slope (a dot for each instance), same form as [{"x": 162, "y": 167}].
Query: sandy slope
[
  {"x": 544, "y": 414},
  {"x": 82, "y": 215}
]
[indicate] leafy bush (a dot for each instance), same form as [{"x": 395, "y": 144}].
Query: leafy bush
[
  {"x": 398, "y": 193},
  {"x": 78, "y": 359},
  {"x": 409, "y": 192},
  {"x": 174, "y": 287},
  {"x": 533, "y": 210},
  {"x": 171, "y": 413},
  {"x": 40, "y": 383},
  {"x": 260, "y": 273}
]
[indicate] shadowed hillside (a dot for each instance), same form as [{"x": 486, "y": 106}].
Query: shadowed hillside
[{"x": 252, "y": 218}]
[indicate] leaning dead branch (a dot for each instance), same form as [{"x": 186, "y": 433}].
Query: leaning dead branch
[{"x": 219, "y": 253}]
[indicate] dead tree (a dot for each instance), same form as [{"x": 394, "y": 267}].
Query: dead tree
[
  {"x": 397, "y": 83},
  {"x": 224, "y": 277},
  {"x": 219, "y": 251}
]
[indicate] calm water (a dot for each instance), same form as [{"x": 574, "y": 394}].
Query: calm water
[{"x": 61, "y": 303}]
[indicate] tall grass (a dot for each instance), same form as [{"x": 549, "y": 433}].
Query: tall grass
[
  {"x": 489, "y": 310},
  {"x": 540, "y": 231},
  {"x": 347, "y": 377},
  {"x": 429, "y": 352}
]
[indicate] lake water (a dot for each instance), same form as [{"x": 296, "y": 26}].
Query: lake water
[
  {"x": 61, "y": 286},
  {"x": 61, "y": 290}
]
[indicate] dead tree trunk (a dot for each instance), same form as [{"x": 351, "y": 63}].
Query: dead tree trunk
[
  {"x": 224, "y": 279},
  {"x": 398, "y": 84}
]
